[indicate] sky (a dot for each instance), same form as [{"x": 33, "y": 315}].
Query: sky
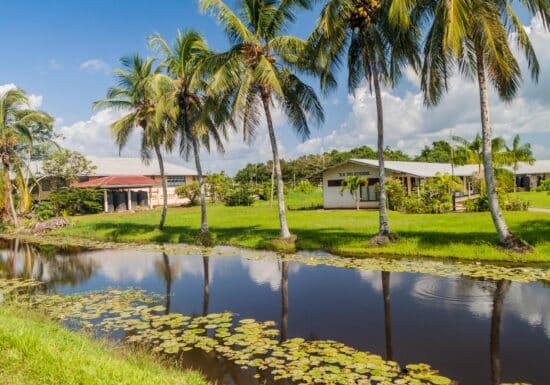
[{"x": 62, "y": 53}]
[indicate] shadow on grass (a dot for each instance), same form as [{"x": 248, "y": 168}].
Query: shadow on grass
[{"x": 535, "y": 232}]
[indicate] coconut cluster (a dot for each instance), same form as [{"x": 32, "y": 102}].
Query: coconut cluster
[{"x": 365, "y": 12}]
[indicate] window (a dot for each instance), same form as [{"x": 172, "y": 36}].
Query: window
[
  {"x": 370, "y": 193},
  {"x": 335, "y": 183},
  {"x": 175, "y": 181}
]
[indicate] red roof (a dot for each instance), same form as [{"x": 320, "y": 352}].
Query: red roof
[{"x": 118, "y": 181}]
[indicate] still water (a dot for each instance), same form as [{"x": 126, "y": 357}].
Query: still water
[{"x": 475, "y": 331}]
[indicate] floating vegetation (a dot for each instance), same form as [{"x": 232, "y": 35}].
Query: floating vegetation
[
  {"x": 11, "y": 286},
  {"x": 248, "y": 343}
]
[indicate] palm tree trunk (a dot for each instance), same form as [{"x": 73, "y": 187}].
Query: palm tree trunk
[
  {"x": 168, "y": 278},
  {"x": 9, "y": 205},
  {"x": 204, "y": 219},
  {"x": 496, "y": 320},
  {"x": 284, "y": 301},
  {"x": 384, "y": 227},
  {"x": 504, "y": 234},
  {"x": 285, "y": 232},
  {"x": 164, "y": 188}
]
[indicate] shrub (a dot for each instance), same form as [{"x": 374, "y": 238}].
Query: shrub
[
  {"x": 395, "y": 194},
  {"x": 43, "y": 210},
  {"x": 505, "y": 179},
  {"x": 190, "y": 191},
  {"x": 477, "y": 204},
  {"x": 240, "y": 196},
  {"x": 514, "y": 203},
  {"x": 75, "y": 201},
  {"x": 414, "y": 205},
  {"x": 544, "y": 186},
  {"x": 304, "y": 187}
]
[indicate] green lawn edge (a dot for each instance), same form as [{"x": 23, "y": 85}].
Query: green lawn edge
[
  {"x": 36, "y": 351},
  {"x": 464, "y": 236}
]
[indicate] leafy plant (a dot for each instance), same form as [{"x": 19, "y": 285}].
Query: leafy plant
[
  {"x": 190, "y": 191},
  {"x": 544, "y": 186},
  {"x": 240, "y": 196},
  {"x": 304, "y": 187},
  {"x": 75, "y": 201},
  {"x": 43, "y": 210},
  {"x": 353, "y": 184},
  {"x": 396, "y": 194}
]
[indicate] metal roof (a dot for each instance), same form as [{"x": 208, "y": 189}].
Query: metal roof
[
  {"x": 118, "y": 182},
  {"x": 538, "y": 167},
  {"x": 421, "y": 169},
  {"x": 127, "y": 166}
]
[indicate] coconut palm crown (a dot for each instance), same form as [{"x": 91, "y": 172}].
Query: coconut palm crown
[{"x": 260, "y": 72}]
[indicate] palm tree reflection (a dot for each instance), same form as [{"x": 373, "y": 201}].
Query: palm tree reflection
[
  {"x": 387, "y": 314},
  {"x": 496, "y": 323},
  {"x": 284, "y": 301},
  {"x": 206, "y": 284}
]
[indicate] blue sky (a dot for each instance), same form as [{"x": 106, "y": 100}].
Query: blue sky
[{"x": 63, "y": 52}]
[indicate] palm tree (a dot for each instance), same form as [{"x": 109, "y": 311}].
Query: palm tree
[
  {"x": 499, "y": 295},
  {"x": 353, "y": 184},
  {"x": 376, "y": 51},
  {"x": 518, "y": 153},
  {"x": 258, "y": 70},
  {"x": 140, "y": 88},
  {"x": 199, "y": 117},
  {"x": 16, "y": 124},
  {"x": 387, "y": 314},
  {"x": 474, "y": 35}
]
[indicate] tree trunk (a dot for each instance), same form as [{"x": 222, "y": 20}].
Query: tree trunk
[
  {"x": 285, "y": 232},
  {"x": 387, "y": 314},
  {"x": 505, "y": 236},
  {"x": 164, "y": 188},
  {"x": 9, "y": 205},
  {"x": 496, "y": 320},
  {"x": 384, "y": 227},
  {"x": 168, "y": 278},
  {"x": 272, "y": 185},
  {"x": 204, "y": 219}
]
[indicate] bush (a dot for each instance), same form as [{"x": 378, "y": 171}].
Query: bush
[
  {"x": 75, "y": 201},
  {"x": 190, "y": 191},
  {"x": 507, "y": 202},
  {"x": 414, "y": 205},
  {"x": 477, "y": 205},
  {"x": 304, "y": 187},
  {"x": 395, "y": 194},
  {"x": 43, "y": 210},
  {"x": 544, "y": 186},
  {"x": 240, "y": 196},
  {"x": 505, "y": 179}
]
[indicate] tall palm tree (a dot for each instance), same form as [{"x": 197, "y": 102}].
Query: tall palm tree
[
  {"x": 139, "y": 90},
  {"x": 16, "y": 124},
  {"x": 376, "y": 52},
  {"x": 518, "y": 153},
  {"x": 259, "y": 70},
  {"x": 473, "y": 34},
  {"x": 199, "y": 116}
]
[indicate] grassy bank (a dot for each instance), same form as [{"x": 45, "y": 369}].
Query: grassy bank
[
  {"x": 465, "y": 235},
  {"x": 38, "y": 352},
  {"x": 540, "y": 200}
]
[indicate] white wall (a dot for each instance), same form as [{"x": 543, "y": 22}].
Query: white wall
[{"x": 332, "y": 199}]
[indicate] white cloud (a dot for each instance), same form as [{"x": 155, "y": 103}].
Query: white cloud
[
  {"x": 409, "y": 126},
  {"x": 35, "y": 101},
  {"x": 95, "y": 65},
  {"x": 54, "y": 65}
]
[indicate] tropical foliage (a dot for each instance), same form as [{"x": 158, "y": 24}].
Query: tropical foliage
[{"x": 353, "y": 184}]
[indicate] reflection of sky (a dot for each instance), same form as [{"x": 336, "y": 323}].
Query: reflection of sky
[{"x": 267, "y": 272}]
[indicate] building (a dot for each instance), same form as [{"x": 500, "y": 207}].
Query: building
[
  {"x": 129, "y": 183},
  {"x": 411, "y": 174},
  {"x": 532, "y": 175}
]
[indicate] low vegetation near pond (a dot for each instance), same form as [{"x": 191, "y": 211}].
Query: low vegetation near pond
[{"x": 459, "y": 235}]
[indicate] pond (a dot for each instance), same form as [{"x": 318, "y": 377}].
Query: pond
[{"x": 473, "y": 330}]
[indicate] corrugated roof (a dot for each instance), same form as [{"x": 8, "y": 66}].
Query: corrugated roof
[
  {"x": 539, "y": 167},
  {"x": 127, "y": 166},
  {"x": 421, "y": 169},
  {"x": 118, "y": 181}
]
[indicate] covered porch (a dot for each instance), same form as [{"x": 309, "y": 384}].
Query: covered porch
[{"x": 123, "y": 193}]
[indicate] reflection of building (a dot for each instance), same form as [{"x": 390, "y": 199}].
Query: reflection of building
[
  {"x": 412, "y": 175},
  {"x": 129, "y": 182}
]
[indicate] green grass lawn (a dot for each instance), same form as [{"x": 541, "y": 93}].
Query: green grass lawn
[
  {"x": 539, "y": 200},
  {"x": 38, "y": 352},
  {"x": 459, "y": 235}
]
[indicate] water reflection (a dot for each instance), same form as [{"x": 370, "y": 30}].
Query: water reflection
[{"x": 455, "y": 324}]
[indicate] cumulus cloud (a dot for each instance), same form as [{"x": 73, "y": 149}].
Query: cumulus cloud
[
  {"x": 35, "y": 101},
  {"x": 95, "y": 65},
  {"x": 409, "y": 125}
]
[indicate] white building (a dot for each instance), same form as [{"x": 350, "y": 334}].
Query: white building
[{"x": 412, "y": 175}]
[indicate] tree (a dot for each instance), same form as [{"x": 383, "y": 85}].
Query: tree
[
  {"x": 16, "y": 123},
  {"x": 376, "y": 52},
  {"x": 190, "y": 191},
  {"x": 353, "y": 184},
  {"x": 199, "y": 117},
  {"x": 439, "y": 152},
  {"x": 518, "y": 153},
  {"x": 219, "y": 186},
  {"x": 63, "y": 167},
  {"x": 258, "y": 69},
  {"x": 475, "y": 36},
  {"x": 139, "y": 91}
]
